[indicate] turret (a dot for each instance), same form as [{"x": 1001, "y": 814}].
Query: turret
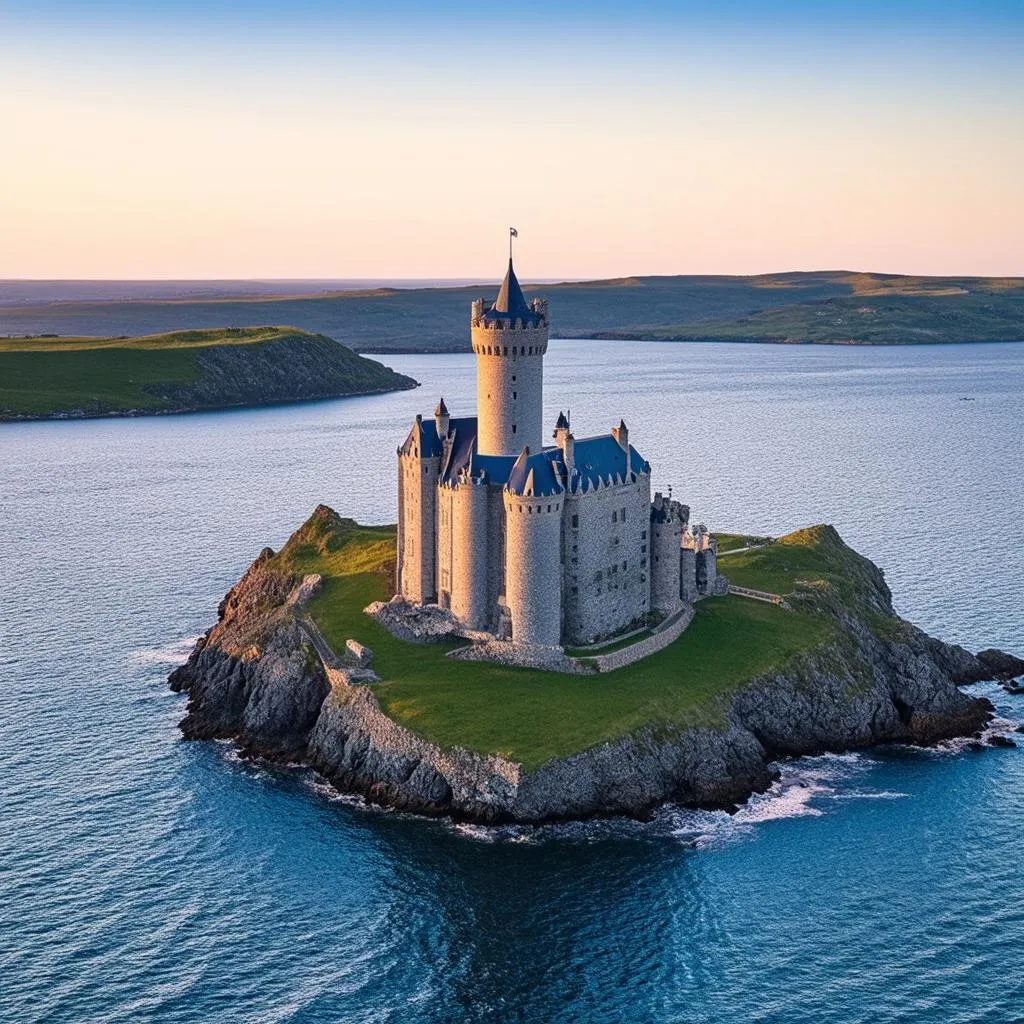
[
  {"x": 509, "y": 340},
  {"x": 666, "y": 562},
  {"x": 566, "y": 442}
]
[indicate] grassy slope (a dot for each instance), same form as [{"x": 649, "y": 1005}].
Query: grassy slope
[
  {"x": 805, "y": 560},
  {"x": 821, "y": 307},
  {"x": 41, "y": 376},
  {"x": 528, "y": 715}
]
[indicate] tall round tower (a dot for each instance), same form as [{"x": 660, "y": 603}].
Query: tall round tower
[
  {"x": 533, "y": 500},
  {"x": 510, "y": 340}
]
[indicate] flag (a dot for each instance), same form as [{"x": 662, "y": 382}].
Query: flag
[{"x": 513, "y": 233}]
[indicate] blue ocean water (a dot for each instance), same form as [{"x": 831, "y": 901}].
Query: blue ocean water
[{"x": 143, "y": 878}]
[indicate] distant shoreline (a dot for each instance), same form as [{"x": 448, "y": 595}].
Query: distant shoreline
[{"x": 824, "y": 307}]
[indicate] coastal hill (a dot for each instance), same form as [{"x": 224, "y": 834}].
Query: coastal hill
[
  {"x": 831, "y": 668},
  {"x": 822, "y": 307},
  {"x": 51, "y": 377}
]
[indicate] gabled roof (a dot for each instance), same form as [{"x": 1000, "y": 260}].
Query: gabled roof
[
  {"x": 511, "y": 303},
  {"x": 537, "y": 476},
  {"x": 423, "y": 439}
]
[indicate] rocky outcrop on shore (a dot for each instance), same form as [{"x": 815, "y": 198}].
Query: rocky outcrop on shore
[{"x": 256, "y": 679}]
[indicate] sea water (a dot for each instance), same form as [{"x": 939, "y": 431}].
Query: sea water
[{"x": 146, "y": 878}]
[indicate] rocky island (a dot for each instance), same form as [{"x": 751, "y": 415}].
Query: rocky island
[
  {"x": 183, "y": 371},
  {"x": 407, "y": 725}
]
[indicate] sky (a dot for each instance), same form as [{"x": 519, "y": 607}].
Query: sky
[{"x": 393, "y": 139}]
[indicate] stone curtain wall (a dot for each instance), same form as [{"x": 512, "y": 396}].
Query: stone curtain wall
[
  {"x": 602, "y": 597},
  {"x": 509, "y": 388},
  {"x": 653, "y": 643},
  {"x": 533, "y": 576},
  {"x": 688, "y": 575}
]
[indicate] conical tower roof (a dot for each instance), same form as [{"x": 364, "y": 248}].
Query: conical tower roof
[{"x": 511, "y": 303}]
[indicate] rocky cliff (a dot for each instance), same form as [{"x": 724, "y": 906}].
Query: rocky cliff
[{"x": 257, "y": 679}]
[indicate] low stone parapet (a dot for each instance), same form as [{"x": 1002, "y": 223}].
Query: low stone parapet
[
  {"x": 759, "y": 595},
  {"x": 670, "y": 631}
]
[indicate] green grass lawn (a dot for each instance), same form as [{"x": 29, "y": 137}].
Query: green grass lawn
[
  {"x": 43, "y": 376},
  {"x": 812, "y": 556},
  {"x": 529, "y": 715}
]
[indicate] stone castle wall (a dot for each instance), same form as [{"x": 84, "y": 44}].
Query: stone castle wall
[
  {"x": 533, "y": 575},
  {"x": 665, "y": 565},
  {"x": 607, "y": 559},
  {"x": 469, "y": 554},
  {"x": 688, "y": 575},
  {"x": 445, "y": 527},
  {"x": 509, "y": 387},
  {"x": 417, "y": 512}
]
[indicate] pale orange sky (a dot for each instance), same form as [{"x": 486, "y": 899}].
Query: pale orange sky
[{"x": 328, "y": 160}]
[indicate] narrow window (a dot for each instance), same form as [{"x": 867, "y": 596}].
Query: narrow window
[
  {"x": 549, "y": 508},
  {"x": 515, "y": 394},
  {"x": 615, "y": 517},
  {"x": 576, "y": 522},
  {"x": 513, "y": 375},
  {"x": 575, "y": 590},
  {"x": 625, "y": 566},
  {"x": 643, "y": 536},
  {"x": 513, "y": 428}
]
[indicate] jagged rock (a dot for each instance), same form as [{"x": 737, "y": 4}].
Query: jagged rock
[
  {"x": 1000, "y": 664},
  {"x": 255, "y": 679},
  {"x": 1000, "y": 741}
]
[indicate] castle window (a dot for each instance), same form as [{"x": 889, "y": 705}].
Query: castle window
[
  {"x": 643, "y": 550},
  {"x": 576, "y": 522},
  {"x": 616, "y": 540},
  {"x": 643, "y": 536},
  {"x": 615, "y": 517},
  {"x": 575, "y": 590},
  {"x": 622, "y": 515},
  {"x": 625, "y": 566},
  {"x": 515, "y": 394},
  {"x": 513, "y": 428},
  {"x": 549, "y": 508},
  {"x": 513, "y": 375}
]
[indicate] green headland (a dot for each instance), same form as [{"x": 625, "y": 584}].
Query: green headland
[
  {"x": 530, "y": 715},
  {"x": 47, "y": 377}
]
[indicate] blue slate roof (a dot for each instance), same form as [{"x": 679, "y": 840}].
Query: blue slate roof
[
  {"x": 596, "y": 461},
  {"x": 598, "y": 458},
  {"x": 423, "y": 437},
  {"x": 537, "y": 476}
]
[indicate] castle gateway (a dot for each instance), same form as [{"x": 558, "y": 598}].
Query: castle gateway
[{"x": 540, "y": 545}]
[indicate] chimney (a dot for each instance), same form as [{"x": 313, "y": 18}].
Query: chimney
[
  {"x": 441, "y": 420},
  {"x": 621, "y": 434}
]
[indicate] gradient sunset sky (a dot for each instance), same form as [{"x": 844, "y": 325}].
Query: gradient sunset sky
[{"x": 187, "y": 140}]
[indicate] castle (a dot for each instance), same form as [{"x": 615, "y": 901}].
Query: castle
[{"x": 538, "y": 545}]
